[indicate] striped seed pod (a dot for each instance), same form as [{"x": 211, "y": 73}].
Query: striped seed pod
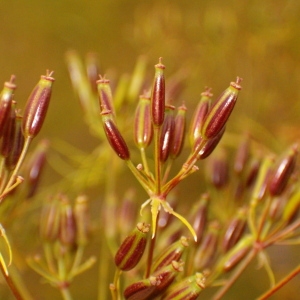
[
  {"x": 282, "y": 171},
  {"x": 167, "y": 133},
  {"x": 179, "y": 132},
  {"x": 132, "y": 248},
  {"x": 172, "y": 253},
  {"x": 17, "y": 143},
  {"x": 158, "y": 96},
  {"x": 218, "y": 115},
  {"x": 143, "y": 130},
  {"x": 37, "y": 106},
  {"x": 199, "y": 115},
  {"x": 6, "y": 97},
  {"x": 114, "y": 136},
  {"x": 142, "y": 289},
  {"x": 187, "y": 289},
  {"x": 105, "y": 95}
]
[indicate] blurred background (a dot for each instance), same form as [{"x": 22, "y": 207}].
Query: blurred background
[{"x": 214, "y": 40}]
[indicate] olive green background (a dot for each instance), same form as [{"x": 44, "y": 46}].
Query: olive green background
[{"x": 215, "y": 40}]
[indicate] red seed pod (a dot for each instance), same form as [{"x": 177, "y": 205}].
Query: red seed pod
[
  {"x": 36, "y": 167},
  {"x": 132, "y": 248},
  {"x": 37, "y": 106},
  {"x": 217, "y": 117},
  {"x": 209, "y": 146},
  {"x": 141, "y": 290},
  {"x": 235, "y": 229},
  {"x": 6, "y": 97},
  {"x": 50, "y": 220},
  {"x": 68, "y": 229},
  {"x": 200, "y": 113},
  {"x": 17, "y": 144},
  {"x": 242, "y": 155},
  {"x": 208, "y": 247},
  {"x": 143, "y": 130},
  {"x": 167, "y": 133},
  {"x": 9, "y": 132},
  {"x": 172, "y": 253},
  {"x": 282, "y": 172},
  {"x": 187, "y": 289},
  {"x": 219, "y": 170},
  {"x": 114, "y": 136},
  {"x": 200, "y": 216},
  {"x": 81, "y": 214},
  {"x": 165, "y": 276},
  {"x": 179, "y": 132},
  {"x": 158, "y": 96},
  {"x": 105, "y": 95}
]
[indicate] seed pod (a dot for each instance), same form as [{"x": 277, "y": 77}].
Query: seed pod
[
  {"x": 200, "y": 113},
  {"x": 172, "y": 253},
  {"x": 200, "y": 216},
  {"x": 219, "y": 170},
  {"x": 68, "y": 229},
  {"x": 6, "y": 97},
  {"x": 143, "y": 130},
  {"x": 167, "y": 132},
  {"x": 187, "y": 289},
  {"x": 208, "y": 247},
  {"x": 158, "y": 96},
  {"x": 179, "y": 132},
  {"x": 36, "y": 167},
  {"x": 81, "y": 215},
  {"x": 242, "y": 155},
  {"x": 17, "y": 144},
  {"x": 132, "y": 248},
  {"x": 37, "y": 105},
  {"x": 165, "y": 276},
  {"x": 292, "y": 207},
  {"x": 217, "y": 117},
  {"x": 114, "y": 136},
  {"x": 141, "y": 289},
  {"x": 105, "y": 95},
  {"x": 209, "y": 146},
  {"x": 283, "y": 171},
  {"x": 235, "y": 229},
  {"x": 50, "y": 220}
]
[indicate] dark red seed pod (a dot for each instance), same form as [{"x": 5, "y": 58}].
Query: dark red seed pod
[
  {"x": 217, "y": 117},
  {"x": 235, "y": 229},
  {"x": 219, "y": 169},
  {"x": 158, "y": 95},
  {"x": 167, "y": 133},
  {"x": 6, "y": 97},
  {"x": 141, "y": 290},
  {"x": 132, "y": 248},
  {"x": 36, "y": 167},
  {"x": 114, "y": 136},
  {"x": 17, "y": 144},
  {"x": 179, "y": 132},
  {"x": 200, "y": 113},
  {"x": 143, "y": 130},
  {"x": 209, "y": 146},
  {"x": 282, "y": 172},
  {"x": 37, "y": 106}
]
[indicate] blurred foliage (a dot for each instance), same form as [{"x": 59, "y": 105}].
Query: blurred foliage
[{"x": 212, "y": 40}]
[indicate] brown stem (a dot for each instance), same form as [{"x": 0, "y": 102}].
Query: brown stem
[{"x": 280, "y": 284}]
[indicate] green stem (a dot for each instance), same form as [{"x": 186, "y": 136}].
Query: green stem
[
  {"x": 65, "y": 292},
  {"x": 115, "y": 287}
]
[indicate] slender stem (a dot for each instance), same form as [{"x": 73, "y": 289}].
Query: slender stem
[
  {"x": 280, "y": 284},
  {"x": 145, "y": 162},
  {"x": 65, "y": 292},
  {"x": 115, "y": 287},
  {"x": 236, "y": 275},
  {"x": 77, "y": 259}
]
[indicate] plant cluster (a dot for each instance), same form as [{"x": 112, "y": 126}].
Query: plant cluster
[{"x": 174, "y": 248}]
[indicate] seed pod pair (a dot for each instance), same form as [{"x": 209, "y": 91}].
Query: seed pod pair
[
  {"x": 132, "y": 249},
  {"x": 37, "y": 106}
]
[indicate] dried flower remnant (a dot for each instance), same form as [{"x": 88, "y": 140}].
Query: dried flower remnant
[
  {"x": 105, "y": 95},
  {"x": 131, "y": 250},
  {"x": 37, "y": 106}
]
